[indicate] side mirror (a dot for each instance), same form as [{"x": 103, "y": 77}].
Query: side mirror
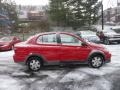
[{"x": 84, "y": 44}]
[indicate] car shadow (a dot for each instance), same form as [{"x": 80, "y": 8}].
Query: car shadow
[
  {"x": 63, "y": 67},
  {"x": 59, "y": 67},
  {"x": 29, "y": 74}
]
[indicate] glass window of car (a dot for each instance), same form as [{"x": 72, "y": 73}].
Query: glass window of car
[
  {"x": 47, "y": 39},
  {"x": 6, "y": 39},
  {"x": 109, "y": 31},
  {"x": 87, "y": 33},
  {"x": 116, "y": 30},
  {"x": 69, "y": 40}
]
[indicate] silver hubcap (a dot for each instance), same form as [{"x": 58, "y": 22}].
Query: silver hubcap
[
  {"x": 96, "y": 61},
  {"x": 34, "y": 64}
]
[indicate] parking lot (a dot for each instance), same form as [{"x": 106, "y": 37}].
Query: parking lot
[{"x": 76, "y": 77}]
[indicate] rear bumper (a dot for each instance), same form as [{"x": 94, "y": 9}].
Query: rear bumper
[
  {"x": 108, "y": 57},
  {"x": 18, "y": 59}
]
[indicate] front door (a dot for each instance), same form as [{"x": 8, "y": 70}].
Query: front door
[{"x": 71, "y": 48}]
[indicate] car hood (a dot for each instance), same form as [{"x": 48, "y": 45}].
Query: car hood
[{"x": 98, "y": 46}]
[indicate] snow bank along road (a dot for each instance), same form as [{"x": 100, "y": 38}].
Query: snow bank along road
[{"x": 15, "y": 77}]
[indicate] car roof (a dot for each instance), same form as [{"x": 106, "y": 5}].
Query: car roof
[
  {"x": 69, "y": 33},
  {"x": 55, "y": 32}
]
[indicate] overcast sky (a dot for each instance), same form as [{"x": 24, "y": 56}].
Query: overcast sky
[
  {"x": 32, "y": 2},
  {"x": 107, "y": 3}
]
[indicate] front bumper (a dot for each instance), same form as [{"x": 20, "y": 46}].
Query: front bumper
[
  {"x": 114, "y": 39},
  {"x": 4, "y": 48},
  {"x": 108, "y": 61}
]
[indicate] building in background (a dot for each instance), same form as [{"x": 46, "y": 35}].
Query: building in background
[
  {"x": 4, "y": 19},
  {"x": 112, "y": 14},
  {"x": 32, "y": 13},
  {"x": 32, "y": 18}
]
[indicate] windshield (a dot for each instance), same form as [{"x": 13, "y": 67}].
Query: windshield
[
  {"x": 116, "y": 30},
  {"x": 6, "y": 39},
  {"x": 87, "y": 33},
  {"x": 109, "y": 31}
]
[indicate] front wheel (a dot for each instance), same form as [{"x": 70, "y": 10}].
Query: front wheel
[
  {"x": 34, "y": 64},
  {"x": 96, "y": 61}
]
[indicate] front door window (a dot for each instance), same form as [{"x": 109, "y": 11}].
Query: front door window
[{"x": 70, "y": 40}]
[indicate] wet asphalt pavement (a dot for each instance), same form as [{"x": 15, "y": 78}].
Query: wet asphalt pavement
[{"x": 73, "y": 77}]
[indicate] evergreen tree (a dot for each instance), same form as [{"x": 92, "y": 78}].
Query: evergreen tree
[
  {"x": 9, "y": 9},
  {"x": 75, "y": 13},
  {"x": 58, "y": 12}
]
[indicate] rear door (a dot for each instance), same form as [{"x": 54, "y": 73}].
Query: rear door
[{"x": 49, "y": 47}]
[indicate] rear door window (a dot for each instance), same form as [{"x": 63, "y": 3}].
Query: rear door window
[{"x": 47, "y": 39}]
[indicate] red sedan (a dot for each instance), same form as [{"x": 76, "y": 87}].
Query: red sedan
[
  {"x": 59, "y": 47},
  {"x": 7, "y": 43}
]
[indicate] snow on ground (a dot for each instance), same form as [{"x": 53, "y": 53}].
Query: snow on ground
[
  {"x": 6, "y": 57},
  {"x": 15, "y": 77}
]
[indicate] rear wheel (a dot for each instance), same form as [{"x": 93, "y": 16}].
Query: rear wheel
[
  {"x": 96, "y": 61},
  {"x": 34, "y": 64}
]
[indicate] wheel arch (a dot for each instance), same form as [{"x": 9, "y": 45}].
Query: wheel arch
[
  {"x": 35, "y": 55},
  {"x": 96, "y": 53}
]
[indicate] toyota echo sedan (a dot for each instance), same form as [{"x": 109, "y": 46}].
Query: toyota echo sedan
[{"x": 59, "y": 47}]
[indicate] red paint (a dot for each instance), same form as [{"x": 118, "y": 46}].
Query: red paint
[{"x": 58, "y": 51}]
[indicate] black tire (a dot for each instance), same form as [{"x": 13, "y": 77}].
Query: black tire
[
  {"x": 106, "y": 41},
  {"x": 96, "y": 61},
  {"x": 34, "y": 64}
]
